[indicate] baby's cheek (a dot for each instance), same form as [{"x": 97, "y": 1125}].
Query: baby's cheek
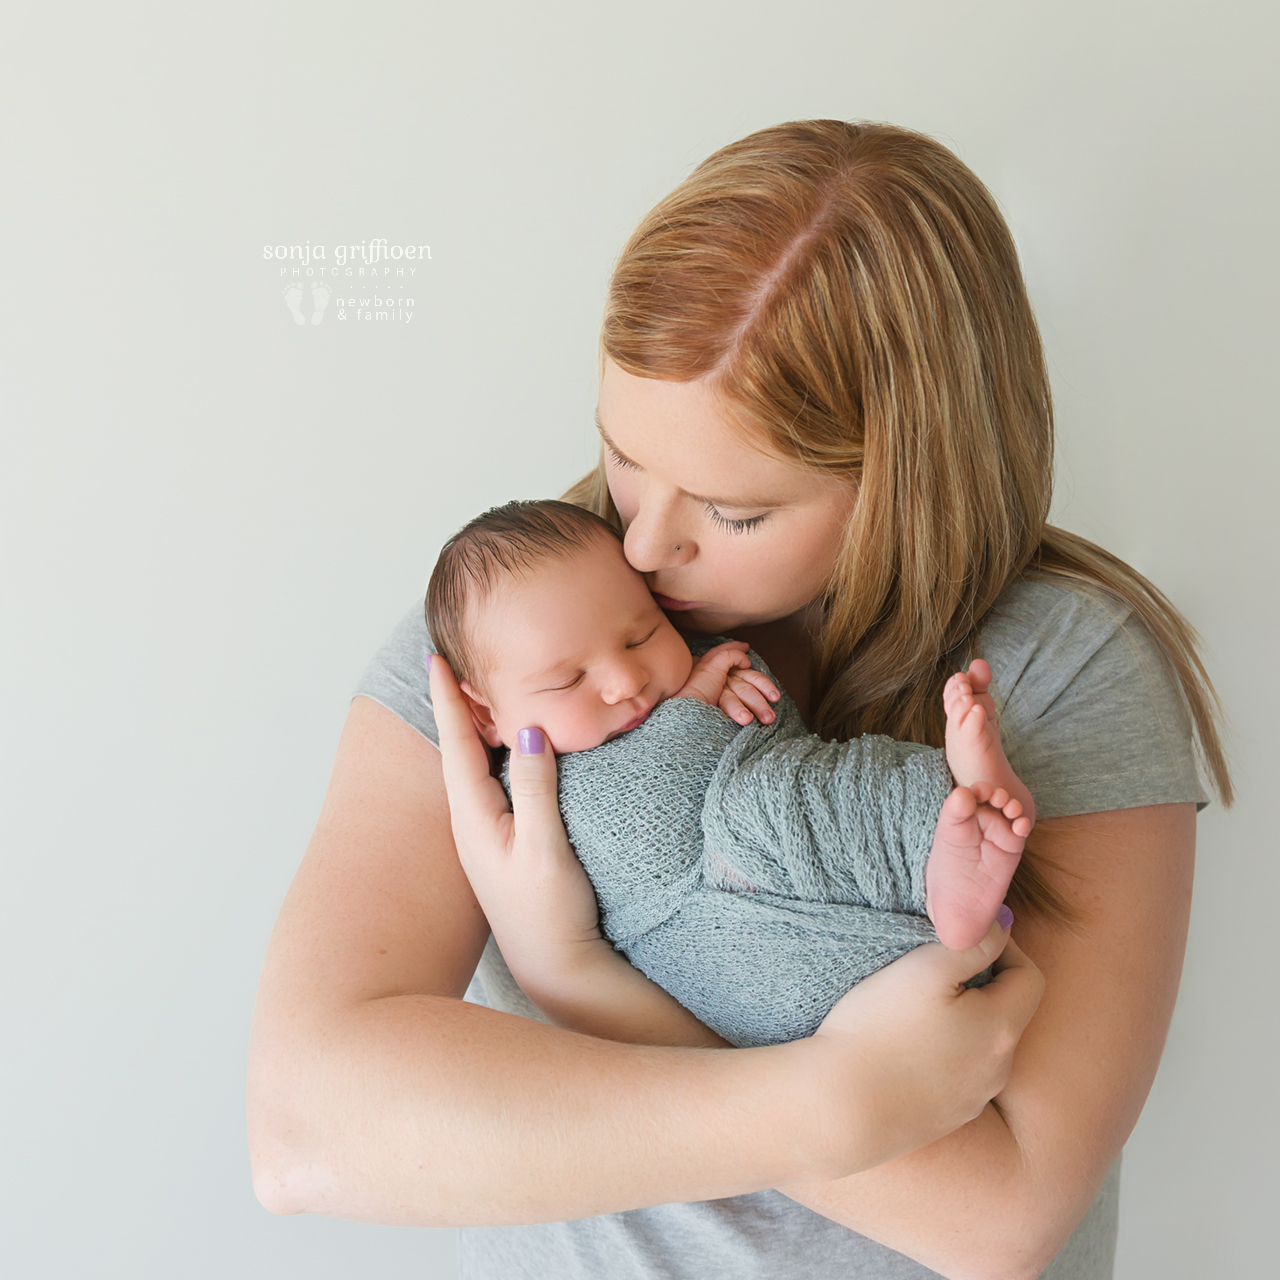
[
  {"x": 677, "y": 665},
  {"x": 575, "y": 728}
]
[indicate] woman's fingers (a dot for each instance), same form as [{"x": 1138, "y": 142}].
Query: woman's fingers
[
  {"x": 932, "y": 1051},
  {"x": 1018, "y": 985},
  {"x": 996, "y": 949},
  {"x": 534, "y": 798},
  {"x": 474, "y": 796}
]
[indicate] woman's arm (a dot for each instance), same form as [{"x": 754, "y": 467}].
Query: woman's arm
[
  {"x": 375, "y": 1093},
  {"x": 998, "y": 1198}
]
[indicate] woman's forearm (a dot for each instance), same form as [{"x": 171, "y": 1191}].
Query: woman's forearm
[
  {"x": 598, "y": 992},
  {"x": 991, "y": 1213},
  {"x": 421, "y": 1110}
]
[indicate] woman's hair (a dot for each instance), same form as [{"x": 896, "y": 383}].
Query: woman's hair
[{"x": 853, "y": 294}]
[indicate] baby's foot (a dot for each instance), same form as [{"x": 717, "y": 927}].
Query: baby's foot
[
  {"x": 977, "y": 846},
  {"x": 292, "y": 297},
  {"x": 974, "y": 750}
]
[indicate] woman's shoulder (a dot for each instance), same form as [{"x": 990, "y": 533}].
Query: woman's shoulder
[
  {"x": 1040, "y": 637},
  {"x": 1090, "y": 712},
  {"x": 397, "y": 676}
]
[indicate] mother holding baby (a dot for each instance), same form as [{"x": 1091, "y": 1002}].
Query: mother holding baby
[{"x": 827, "y": 431}]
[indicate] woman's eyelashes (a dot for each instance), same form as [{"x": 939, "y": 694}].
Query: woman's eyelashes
[
  {"x": 717, "y": 518},
  {"x": 734, "y": 526}
]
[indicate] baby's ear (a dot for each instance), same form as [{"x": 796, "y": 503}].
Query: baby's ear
[{"x": 481, "y": 715}]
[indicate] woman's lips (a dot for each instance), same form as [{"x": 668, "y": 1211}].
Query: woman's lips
[{"x": 673, "y": 605}]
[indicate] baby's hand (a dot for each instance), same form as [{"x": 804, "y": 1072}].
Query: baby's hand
[{"x": 724, "y": 677}]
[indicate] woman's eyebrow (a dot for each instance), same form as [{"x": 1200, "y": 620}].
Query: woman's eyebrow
[{"x": 740, "y": 504}]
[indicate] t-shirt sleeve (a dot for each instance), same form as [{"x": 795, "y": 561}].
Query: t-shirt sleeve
[
  {"x": 397, "y": 676},
  {"x": 1092, "y": 718}
]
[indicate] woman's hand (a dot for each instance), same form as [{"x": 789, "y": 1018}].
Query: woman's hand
[
  {"x": 534, "y": 892},
  {"x": 934, "y": 1052},
  {"x": 530, "y": 884}
]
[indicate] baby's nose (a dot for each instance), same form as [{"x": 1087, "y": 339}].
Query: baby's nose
[{"x": 624, "y": 681}]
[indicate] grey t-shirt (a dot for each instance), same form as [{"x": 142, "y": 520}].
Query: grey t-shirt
[{"x": 1091, "y": 721}]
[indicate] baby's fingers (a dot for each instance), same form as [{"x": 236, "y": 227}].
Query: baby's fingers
[
  {"x": 751, "y": 697},
  {"x": 761, "y": 682},
  {"x": 733, "y": 707},
  {"x": 474, "y": 796},
  {"x": 725, "y": 657}
]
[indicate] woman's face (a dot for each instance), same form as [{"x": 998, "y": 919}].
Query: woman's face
[{"x": 726, "y": 534}]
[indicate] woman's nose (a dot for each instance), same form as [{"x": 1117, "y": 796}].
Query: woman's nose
[
  {"x": 656, "y": 538},
  {"x": 624, "y": 679}
]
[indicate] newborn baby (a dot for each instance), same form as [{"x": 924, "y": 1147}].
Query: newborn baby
[{"x": 754, "y": 871}]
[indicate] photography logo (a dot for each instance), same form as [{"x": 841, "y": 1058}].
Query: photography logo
[{"x": 367, "y": 283}]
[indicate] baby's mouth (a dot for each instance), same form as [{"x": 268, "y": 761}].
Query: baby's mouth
[{"x": 632, "y": 724}]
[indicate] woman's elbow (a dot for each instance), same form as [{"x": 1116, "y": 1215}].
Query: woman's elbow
[
  {"x": 1018, "y": 1239},
  {"x": 283, "y": 1180},
  {"x": 282, "y": 1152},
  {"x": 1026, "y": 1261},
  {"x": 285, "y": 1186},
  {"x": 1032, "y": 1242}
]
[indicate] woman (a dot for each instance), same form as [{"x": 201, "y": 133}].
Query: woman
[{"x": 827, "y": 431}]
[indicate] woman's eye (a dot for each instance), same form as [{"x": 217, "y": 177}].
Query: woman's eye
[
  {"x": 734, "y": 526},
  {"x": 619, "y": 461}
]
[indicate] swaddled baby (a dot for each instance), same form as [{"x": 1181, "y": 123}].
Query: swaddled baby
[{"x": 754, "y": 871}]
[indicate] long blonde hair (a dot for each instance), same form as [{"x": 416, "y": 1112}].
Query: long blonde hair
[{"x": 852, "y": 291}]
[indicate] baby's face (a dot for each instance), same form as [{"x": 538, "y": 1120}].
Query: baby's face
[{"x": 577, "y": 648}]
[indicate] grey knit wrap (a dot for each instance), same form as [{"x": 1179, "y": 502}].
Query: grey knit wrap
[{"x": 756, "y": 873}]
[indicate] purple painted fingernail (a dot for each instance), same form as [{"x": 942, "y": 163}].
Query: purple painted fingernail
[
  {"x": 1004, "y": 918},
  {"x": 429, "y": 657},
  {"x": 531, "y": 742}
]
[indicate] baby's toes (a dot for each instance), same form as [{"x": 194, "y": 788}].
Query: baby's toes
[
  {"x": 973, "y": 718},
  {"x": 1013, "y": 809},
  {"x": 999, "y": 799},
  {"x": 979, "y": 674}
]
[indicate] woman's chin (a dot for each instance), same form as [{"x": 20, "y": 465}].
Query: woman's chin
[{"x": 703, "y": 622}]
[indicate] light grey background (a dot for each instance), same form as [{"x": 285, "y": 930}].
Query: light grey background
[{"x": 211, "y": 515}]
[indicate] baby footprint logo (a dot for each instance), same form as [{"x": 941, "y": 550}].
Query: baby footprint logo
[
  {"x": 292, "y": 297},
  {"x": 319, "y": 300}
]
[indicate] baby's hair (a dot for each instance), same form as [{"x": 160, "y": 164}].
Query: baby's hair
[{"x": 504, "y": 542}]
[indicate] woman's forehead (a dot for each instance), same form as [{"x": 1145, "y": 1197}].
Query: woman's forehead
[{"x": 684, "y": 433}]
